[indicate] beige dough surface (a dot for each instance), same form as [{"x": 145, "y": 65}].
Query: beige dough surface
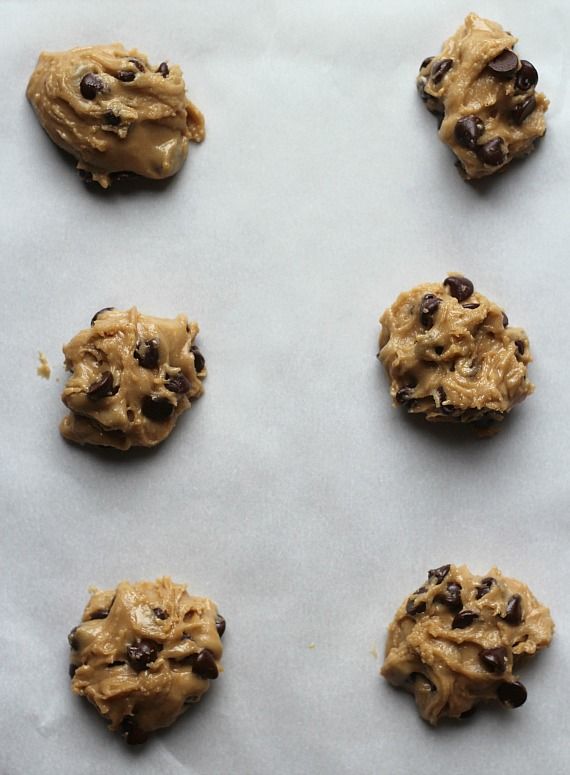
[
  {"x": 132, "y": 376},
  {"x": 459, "y": 639},
  {"x": 500, "y": 114},
  {"x": 143, "y": 652},
  {"x": 128, "y": 116},
  {"x": 453, "y": 359}
]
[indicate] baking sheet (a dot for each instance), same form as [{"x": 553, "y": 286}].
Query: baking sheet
[{"x": 293, "y": 493}]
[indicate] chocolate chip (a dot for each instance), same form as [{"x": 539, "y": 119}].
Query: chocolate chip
[
  {"x": 439, "y": 350},
  {"x": 405, "y": 394},
  {"x": 147, "y": 353},
  {"x": 156, "y": 408},
  {"x": 163, "y": 69},
  {"x": 485, "y": 587},
  {"x": 133, "y": 734},
  {"x": 91, "y": 85},
  {"x": 428, "y": 307},
  {"x": 468, "y": 130},
  {"x": 199, "y": 361},
  {"x": 527, "y": 77},
  {"x": 137, "y": 63},
  {"x": 160, "y": 613},
  {"x": 203, "y": 664},
  {"x": 505, "y": 65},
  {"x": 96, "y": 315},
  {"x": 519, "y": 344},
  {"x": 494, "y": 660},
  {"x": 102, "y": 388},
  {"x": 112, "y": 118},
  {"x": 463, "y": 619},
  {"x": 440, "y": 68},
  {"x": 177, "y": 384},
  {"x": 220, "y": 624},
  {"x": 426, "y": 62},
  {"x": 412, "y": 608},
  {"x": 444, "y": 408},
  {"x": 72, "y": 639},
  {"x": 142, "y": 653},
  {"x": 72, "y": 669},
  {"x": 513, "y": 695},
  {"x": 126, "y": 76},
  {"x": 103, "y": 613},
  {"x": 438, "y": 574},
  {"x": 491, "y": 153},
  {"x": 459, "y": 287},
  {"x": 505, "y": 320},
  {"x": 514, "y": 613},
  {"x": 451, "y": 598},
  {"x": 473, "y": 305},
  {"x": 523, "y": 110}
]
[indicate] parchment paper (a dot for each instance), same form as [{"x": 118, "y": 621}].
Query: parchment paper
[{"x": 293, "y": 493}]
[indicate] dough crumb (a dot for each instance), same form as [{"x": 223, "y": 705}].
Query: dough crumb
[
  {"x": 44, "y": 369},
  {"x": 312, "y": 646},
  {"x": 459, "y": 639}
]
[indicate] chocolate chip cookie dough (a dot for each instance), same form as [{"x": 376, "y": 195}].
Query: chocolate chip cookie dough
[
  {"x": 485, "y": 96},
  {"x": 115, "y": 112},
  {"x": 132, "y": 376},
  {"x": 143, "y": 652},
  {"x": 459, "y": 638},
  {"x": 450, "y": 354}
]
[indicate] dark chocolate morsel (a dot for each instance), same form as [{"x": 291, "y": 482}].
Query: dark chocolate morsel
[
  {"x": 220, "y": 624},
  {"x": 160, "y": 613},
  {"x": 157, "y": 408},
  {"x": 519, "y": 344},
  {"x": 472, "y": 305},
  {"x": 72, "y": 639},
  {"x": 494, "y": 660},
  {"x": 527, "y": 77},
  {"x": 203, "y": 664},
  {"x": 523, "y": 110},
  {"x": 72, "y": 669},
  {"x": 428, "y": 307},
  {"x": 444, "y": 408},
  {"x": 491, "y": 153},
  {"x": 147, "y": 353},
  {"x": 177, "y": 384},
  {"x": 463, "y": 619},
  {"x": 426, "y": 62},
  {"x": 96, "y": 315},
  {"x": 468, "y": 130},
  {"x": 514, "y": 613},
  {"x": 137, "y": 63},
  {"x": 459, "y": 287},
  {"x": 405, "y": 394},
  {"x": 485, "y": 586},
  {"x": 438, "y": 574},
  {"x": 513, "y": 695},
  {"x": 505, "y": 320},
  {"x": 163, "y": 69},
  {"x": 413, "y": 608},
  {"x": 440, "y": 68},
  {"x": 111, "y": 118},
  {"x": 126, "y": 76},
  {"x": 505, "y": 65},
  {"x": 90, "y": 86},
  {"x": 133, "y": 734},
  {"x": 451, "y": 598},
  {"x": 142, "y": 653},
  {"x": 102, "y": 388},
  {"x": 103, "y": 613},
  {"x": 199, "y": 361}
]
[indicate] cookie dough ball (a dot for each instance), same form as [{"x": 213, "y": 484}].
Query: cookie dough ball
[
  {"x": 451, "y": 354},
  {"x": 132, "y": 376},
  {"x": 485, "y": 95},
  {"x": 143, "y": 652},
  {"x": 459, "y": 638},
  {"x": 115, "y": 112}
]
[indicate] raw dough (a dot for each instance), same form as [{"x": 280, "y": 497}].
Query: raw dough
[
  {"x": 450, "y": 354},
  {"x": 143, "y": 652},
  {"x": 459, "y": 638},
  {"x": 132, "y": 376},
  {"x": 114, "y": 111},
  {"x": 486, "y": 97}
]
